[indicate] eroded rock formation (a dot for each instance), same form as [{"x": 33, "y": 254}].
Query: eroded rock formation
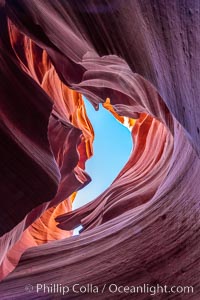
[{"x": 141, "y": 60}]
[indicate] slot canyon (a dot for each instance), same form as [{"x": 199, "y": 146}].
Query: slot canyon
[{"x": 140, "y": 61}]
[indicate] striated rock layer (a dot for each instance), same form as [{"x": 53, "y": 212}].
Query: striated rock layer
[{"x": 141, "y": 60}]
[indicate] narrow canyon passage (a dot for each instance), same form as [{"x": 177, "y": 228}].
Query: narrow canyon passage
[{"x": 65, "y": 167}]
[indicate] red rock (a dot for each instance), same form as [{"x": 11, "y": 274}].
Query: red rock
[{"x": 144, "y": 57}]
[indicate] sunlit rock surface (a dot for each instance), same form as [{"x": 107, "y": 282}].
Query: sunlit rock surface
[{"x": 141, "y": 59}]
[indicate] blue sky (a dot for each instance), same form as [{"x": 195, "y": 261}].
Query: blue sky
[{"x": 112, "y": 147}]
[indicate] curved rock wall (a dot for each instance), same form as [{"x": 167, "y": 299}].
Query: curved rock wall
[{"x": 144, "y": 57}]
